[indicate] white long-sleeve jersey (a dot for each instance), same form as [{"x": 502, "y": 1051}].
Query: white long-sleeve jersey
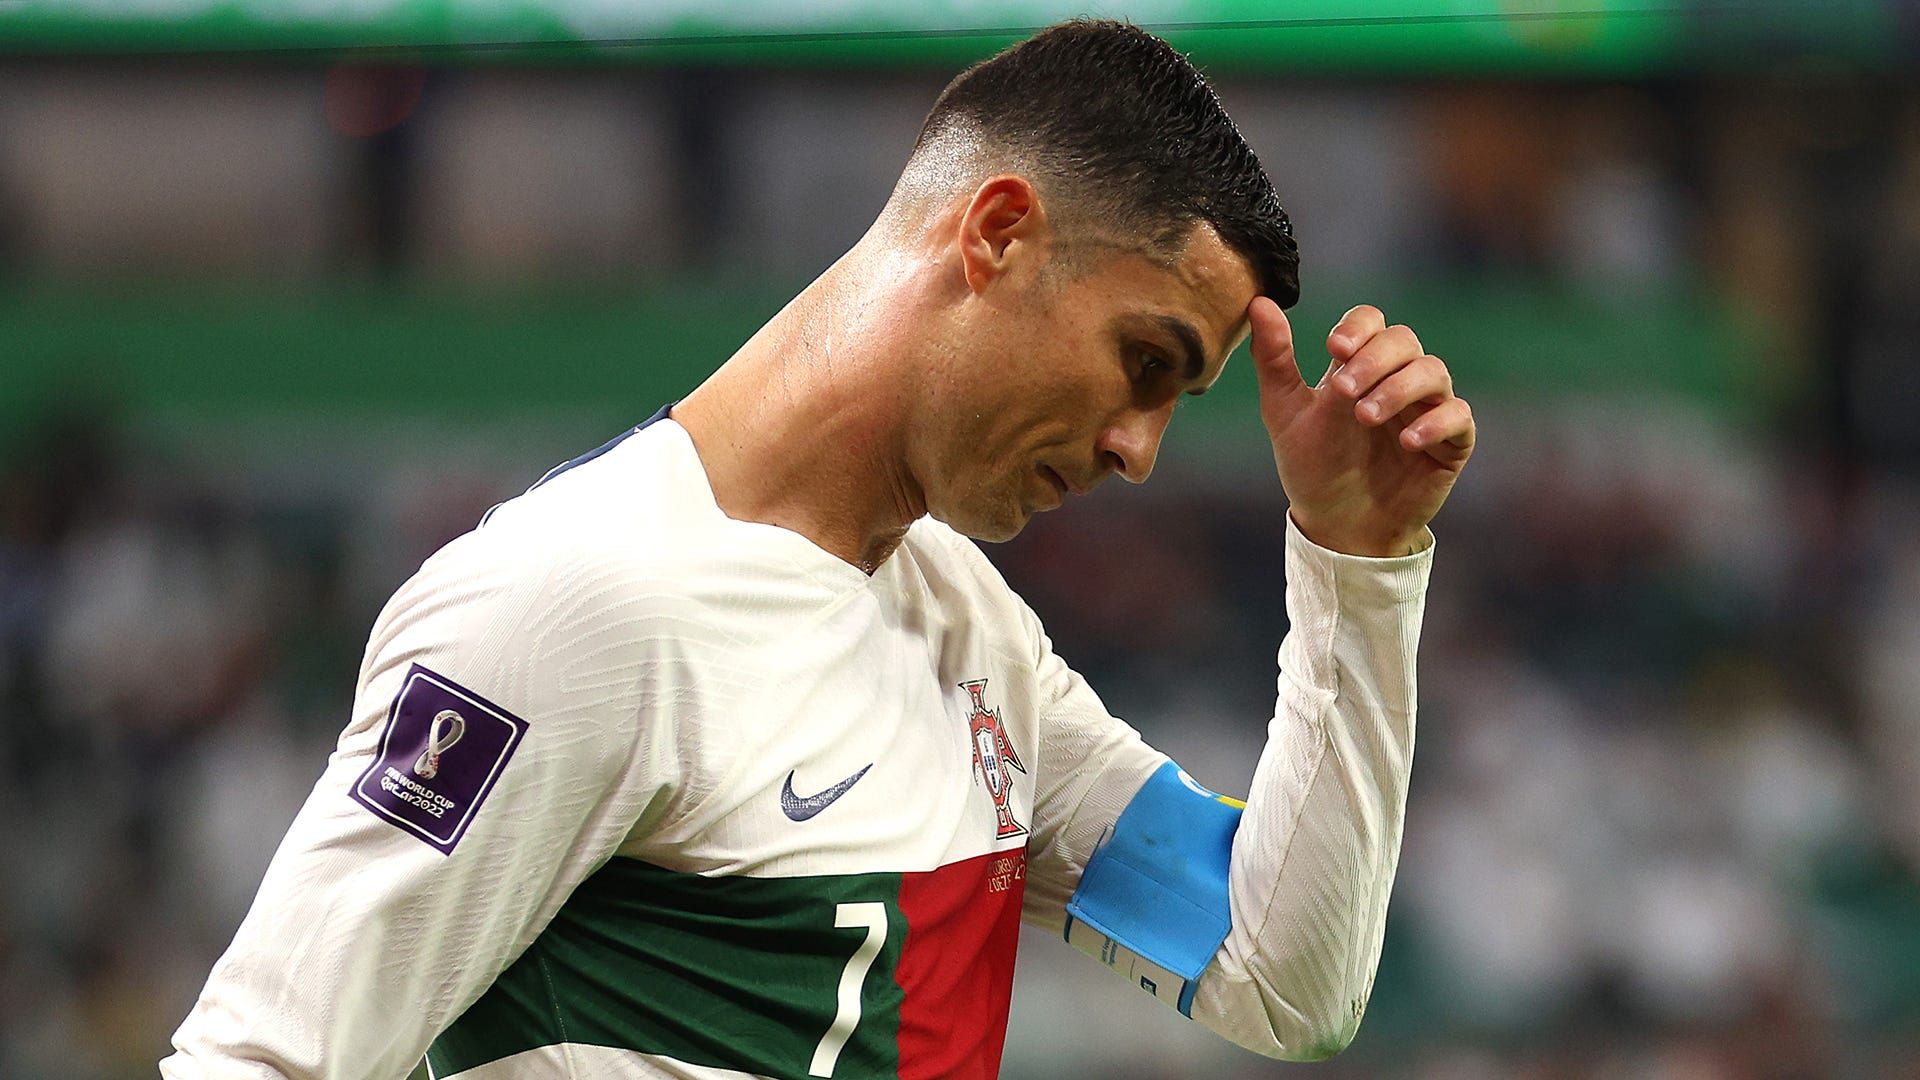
[{"x": 633, "y": 789}]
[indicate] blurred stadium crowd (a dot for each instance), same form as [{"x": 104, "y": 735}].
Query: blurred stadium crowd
[{"x": 1666, "y": 810}]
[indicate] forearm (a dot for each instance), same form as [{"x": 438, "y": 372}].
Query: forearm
[{"x": 1316, "y": 850}]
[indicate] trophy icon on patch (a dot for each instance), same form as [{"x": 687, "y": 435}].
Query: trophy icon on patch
[{"x": 446, "y": 729}]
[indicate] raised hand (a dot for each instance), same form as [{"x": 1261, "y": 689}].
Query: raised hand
[{"x": 1367, "y": 456}]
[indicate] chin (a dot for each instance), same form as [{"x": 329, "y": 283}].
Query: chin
[
  {"x": 998, "y": 534},
  {"x": 988, "y": 524}
]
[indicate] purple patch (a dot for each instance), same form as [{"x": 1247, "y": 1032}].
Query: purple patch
[{"x": 442, "y": 751}]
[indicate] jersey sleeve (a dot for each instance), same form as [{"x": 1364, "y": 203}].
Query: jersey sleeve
[
  {"x": 1091, "y": 764},
  {"x": 1262, "y": 922},
  {"x": 504, "y": 740}
]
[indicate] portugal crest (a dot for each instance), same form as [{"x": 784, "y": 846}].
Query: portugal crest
[{"x": 992, "y": 756}]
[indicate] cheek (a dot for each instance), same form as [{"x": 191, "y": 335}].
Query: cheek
[{"x": 1028, "y": 394}]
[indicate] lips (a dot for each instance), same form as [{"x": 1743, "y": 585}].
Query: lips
[{"x": 1060, "y": 484}]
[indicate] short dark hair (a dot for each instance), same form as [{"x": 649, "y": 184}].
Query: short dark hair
[{"x": 1123, "y": 118}]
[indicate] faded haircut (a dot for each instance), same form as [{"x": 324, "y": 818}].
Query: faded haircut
[{"x": 1125, "y": 131}]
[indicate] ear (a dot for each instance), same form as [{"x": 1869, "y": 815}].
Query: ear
[{"x": 1003, "y": 225}]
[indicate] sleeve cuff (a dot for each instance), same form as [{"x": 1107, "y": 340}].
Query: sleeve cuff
[
  {"x": 1376, "y": 603},
  {"x": 1359, "y": 578}
]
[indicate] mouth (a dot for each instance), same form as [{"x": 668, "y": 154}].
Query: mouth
[{"x": 1060, "y": 485}]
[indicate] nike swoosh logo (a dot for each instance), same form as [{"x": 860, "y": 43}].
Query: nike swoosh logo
[{"x": 800, "y": 809}]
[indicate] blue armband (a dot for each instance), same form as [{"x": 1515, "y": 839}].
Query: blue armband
[{"x": 1152, "y": 902}]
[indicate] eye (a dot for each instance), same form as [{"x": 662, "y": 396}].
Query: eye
[{"x": 1152, "y": 364}]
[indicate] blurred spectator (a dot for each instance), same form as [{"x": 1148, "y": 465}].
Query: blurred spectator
[{"x": 1666, "y": 815}]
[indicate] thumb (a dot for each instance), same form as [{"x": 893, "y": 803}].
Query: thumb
[{"x": 1272, "y": 346}]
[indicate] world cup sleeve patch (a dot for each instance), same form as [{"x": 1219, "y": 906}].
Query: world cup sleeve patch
[{"x": 443, "y": 748}]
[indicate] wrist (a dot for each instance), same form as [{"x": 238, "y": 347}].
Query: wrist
[{"x": 1363, "y": 543}]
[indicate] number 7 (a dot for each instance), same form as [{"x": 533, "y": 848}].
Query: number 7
[{"x": 872, "y": 915}]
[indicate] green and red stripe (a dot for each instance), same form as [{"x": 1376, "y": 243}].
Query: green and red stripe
[{"x": 743, "y": 973}]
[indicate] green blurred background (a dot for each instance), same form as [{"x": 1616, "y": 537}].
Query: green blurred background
[{"x": 289, "y": 294}]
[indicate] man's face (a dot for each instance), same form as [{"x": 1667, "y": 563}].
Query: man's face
[{"x": 1060, "y": 377}]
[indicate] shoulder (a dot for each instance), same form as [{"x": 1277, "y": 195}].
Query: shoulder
[
  {"x": 637, "y": 496},
  {"x": 600, "y": 549},
  {"x": 627, "y": 548}
]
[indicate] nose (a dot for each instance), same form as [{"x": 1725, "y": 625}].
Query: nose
[{"x": 1132, "y": 441}]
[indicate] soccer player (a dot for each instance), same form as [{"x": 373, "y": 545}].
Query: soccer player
[{"x": 723, "y": 751}]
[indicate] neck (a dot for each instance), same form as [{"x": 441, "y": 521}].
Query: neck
[{"x": 805, "y": 427}]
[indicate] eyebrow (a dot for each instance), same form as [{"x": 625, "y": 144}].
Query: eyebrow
[{"x": 1194, "y": 362}]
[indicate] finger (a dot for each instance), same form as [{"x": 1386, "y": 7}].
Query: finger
[
  {"x": 1272, "y": 346},
  {"x": 1424, "y": 379},
  {"x": 1353, "y": 330},
  {"x": 1446, "y": 431},
  {"x": 1388, "y": 351}
]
